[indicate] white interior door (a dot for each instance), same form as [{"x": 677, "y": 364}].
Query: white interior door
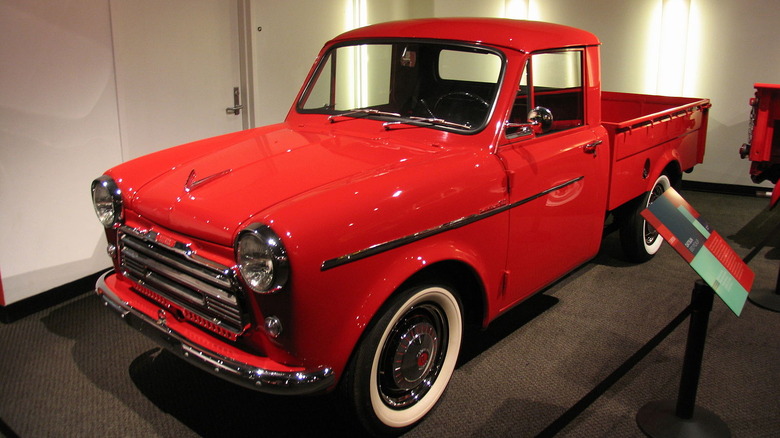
[{"x": 177, "y": 65}]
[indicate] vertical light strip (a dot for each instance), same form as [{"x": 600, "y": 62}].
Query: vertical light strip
[
  {"x": 359, "y": 13},
  {"x": 673, "y": 46},
  {"x": 522, "y": 10},
  {"x": 360, "y": 19},
  {"x": 691, "y": 80},
  {"x": 517, "y": 9},
  {"x": 651, "y": 57}
]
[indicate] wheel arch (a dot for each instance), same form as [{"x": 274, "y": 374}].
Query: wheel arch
[
  {"x": 366, "y": 391},
  {"x": 671, "y": 170},
  {"x": 457, "y": 274},
  {"x": 460, "y": 276}
]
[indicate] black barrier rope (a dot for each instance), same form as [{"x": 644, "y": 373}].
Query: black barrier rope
[
  {"x": 681, "y": 417},
  {"x": 6, "y": 431},
  {"x": 765, "y": 298},
  {"x": 589, "y": 398}
]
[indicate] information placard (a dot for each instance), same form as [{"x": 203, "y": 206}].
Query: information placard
[{"x": 704, "y": 249}]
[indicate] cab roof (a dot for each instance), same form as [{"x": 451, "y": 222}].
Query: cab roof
[{"x": 526, "y": 36}]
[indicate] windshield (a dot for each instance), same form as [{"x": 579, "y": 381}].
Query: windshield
[{"x": 446, "y": 86}]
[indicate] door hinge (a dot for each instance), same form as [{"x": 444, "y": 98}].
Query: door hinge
[{"x": 510, "y": 181}]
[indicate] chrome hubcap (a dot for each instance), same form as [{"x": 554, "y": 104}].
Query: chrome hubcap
[{"x": 412, "y": 356}]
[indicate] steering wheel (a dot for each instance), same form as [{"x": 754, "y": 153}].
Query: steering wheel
[
  {"x": 465, "y": 94},
  {"x": 465, "y": 108}
]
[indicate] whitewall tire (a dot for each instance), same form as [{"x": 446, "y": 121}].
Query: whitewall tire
[
  {"x": 406, "y": 360},
  {"x": 640, "y": 241}
]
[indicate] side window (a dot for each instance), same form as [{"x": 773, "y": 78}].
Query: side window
[{"x": 552, "y": 80}]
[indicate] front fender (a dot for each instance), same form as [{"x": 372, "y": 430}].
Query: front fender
[
  {"x": 328, "y": 306},
  {"x": 331, "y": 309}
]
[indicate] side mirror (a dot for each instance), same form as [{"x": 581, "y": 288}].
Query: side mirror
[
  {"x": 541, "y": 118},
  {"x": 540, "y": 121}
]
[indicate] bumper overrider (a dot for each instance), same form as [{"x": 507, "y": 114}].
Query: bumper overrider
[{"x": 234, "y": 370}]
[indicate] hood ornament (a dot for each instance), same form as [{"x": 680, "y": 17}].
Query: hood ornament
[{"x": 193, "y": 184}]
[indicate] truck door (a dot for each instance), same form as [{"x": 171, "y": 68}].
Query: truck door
[{"x": 557, "y": 176}]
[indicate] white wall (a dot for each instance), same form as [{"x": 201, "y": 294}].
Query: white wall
[
  {"x": 740, "y": 47},
  {"x": 176, "y": 61},
  {"x": 730, "y": 45},
  {"x": 284, "y": 50},
  {"x": 290, "y": 39},
  {"x": 59, "y": 122},
  {"x": 58, "y": 128}
]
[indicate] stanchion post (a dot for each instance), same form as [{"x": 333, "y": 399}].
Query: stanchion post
[
  {"x": 767, "y": 299},
  {"x": 701, "y": 305},
  {"x": 670, "y": 419}
]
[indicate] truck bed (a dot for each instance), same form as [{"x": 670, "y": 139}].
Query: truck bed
[{"x": 642, "y": 128}]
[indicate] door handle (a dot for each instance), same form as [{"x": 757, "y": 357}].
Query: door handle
[
  {"x": 234, "y": 110},
  {"x": 237, "y": 107},
  {"x": 590, "y": 148}
]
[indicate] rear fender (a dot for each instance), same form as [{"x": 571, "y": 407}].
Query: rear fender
[{"x": 668, "y": 164}]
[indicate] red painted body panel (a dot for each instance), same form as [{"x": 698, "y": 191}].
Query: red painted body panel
[
  {"x": 763, "y": 147},
  {"x": 524, "y": 36},
  {"x": 767, "y": 100},
  {"x": 2, "y": 294},
  {"x": 660, "y": 129},
  {"x": 513, "y": 214}
]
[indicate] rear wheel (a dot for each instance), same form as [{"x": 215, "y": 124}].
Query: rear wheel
[
  {"x": 405, "y": 362},
  {"x": 639, "y": 240}
]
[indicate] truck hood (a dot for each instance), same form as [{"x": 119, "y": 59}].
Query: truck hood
[{"x": 235, "y": 177}]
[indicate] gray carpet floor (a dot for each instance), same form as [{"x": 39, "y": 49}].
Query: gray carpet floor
[{"x": 562, "y": 364}]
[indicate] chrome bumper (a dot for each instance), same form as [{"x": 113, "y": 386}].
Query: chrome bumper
[{"x": 258, "y": 379}]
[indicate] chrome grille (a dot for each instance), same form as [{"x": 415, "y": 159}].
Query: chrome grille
[{"x": 204, "y": 289}]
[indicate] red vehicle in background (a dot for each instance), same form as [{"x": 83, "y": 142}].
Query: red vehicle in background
[
  {"x": 763, "y": 146},
  {"x": 430, "y": 175}
]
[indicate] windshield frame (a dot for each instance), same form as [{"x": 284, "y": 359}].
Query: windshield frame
[{"x": 413, "y": 120}]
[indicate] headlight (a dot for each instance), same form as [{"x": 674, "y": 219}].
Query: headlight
[
  {"x": 262, "y": 259},
  {"x": 107, "y": 200}
]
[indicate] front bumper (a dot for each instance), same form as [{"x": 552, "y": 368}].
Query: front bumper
[{"x": 257, "y": 378}]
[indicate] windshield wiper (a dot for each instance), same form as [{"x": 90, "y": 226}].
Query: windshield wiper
[
  {"x": 413, "y": 120},
  {"x": 362, "y": 112},
  {"x": 426, "y": 121}
]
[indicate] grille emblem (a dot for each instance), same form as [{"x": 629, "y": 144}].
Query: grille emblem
[{"x": 165, "y": 240}]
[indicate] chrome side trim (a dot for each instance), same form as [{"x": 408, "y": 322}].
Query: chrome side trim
[
  {"x": 232, "y": 370},
  {"x": 387, "y": 246}
]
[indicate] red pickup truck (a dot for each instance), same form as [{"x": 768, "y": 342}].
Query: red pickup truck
[
  {"x": 431, "y": 174},
  {"x": 763, "y": 146}
]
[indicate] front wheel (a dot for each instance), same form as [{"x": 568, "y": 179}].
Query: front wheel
[
  {"x": 405, "y": 362},
  {"x": 639, "y": 240}
]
